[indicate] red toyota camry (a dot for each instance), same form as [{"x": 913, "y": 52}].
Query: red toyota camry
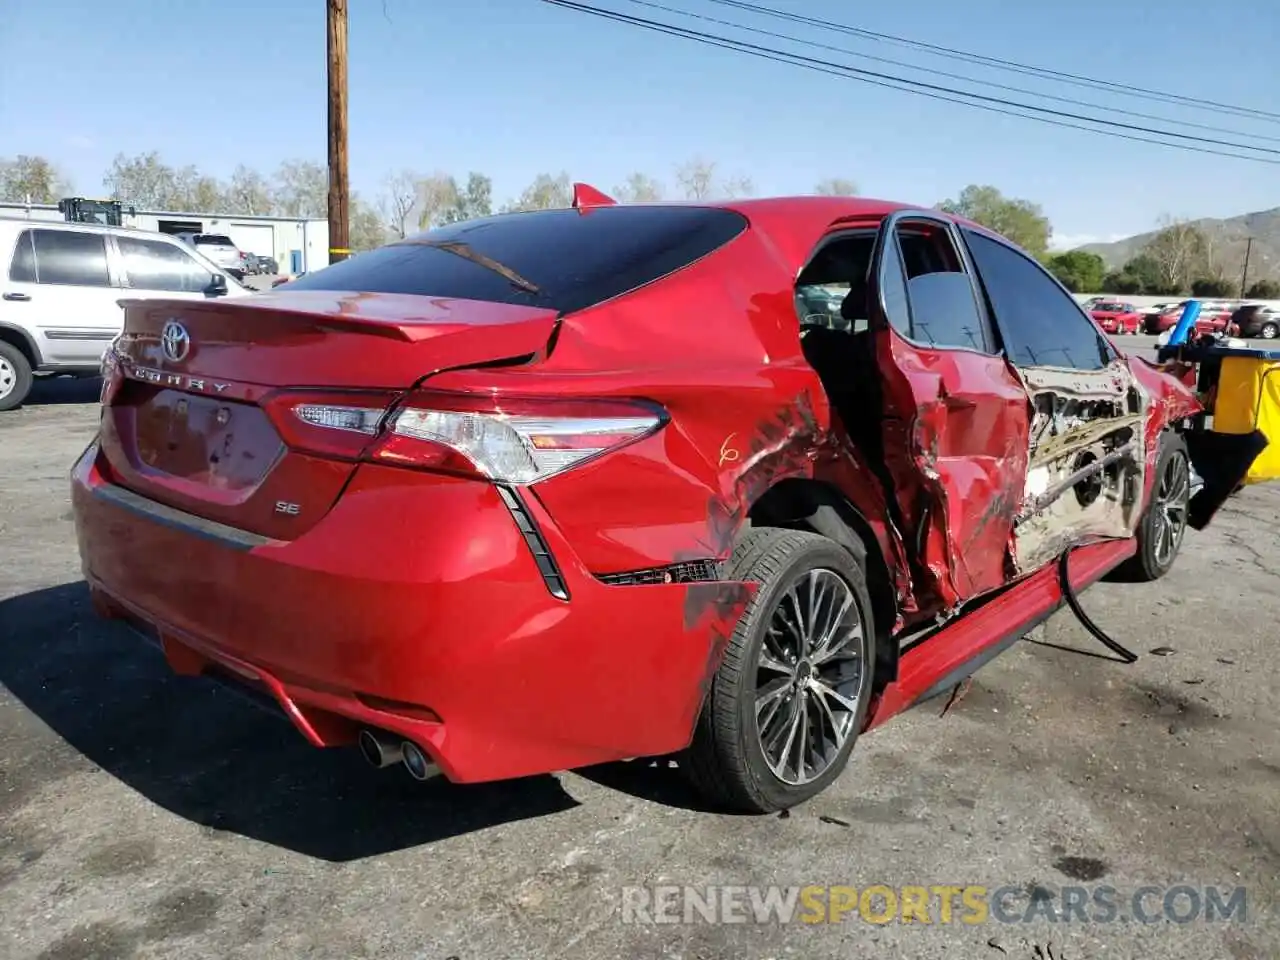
[{"x": 548, "y": 489}]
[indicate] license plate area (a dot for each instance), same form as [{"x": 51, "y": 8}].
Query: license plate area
[{"x": 209, "y": 441}]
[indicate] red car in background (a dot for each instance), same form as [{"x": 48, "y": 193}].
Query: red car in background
[
  {"x": 1116, "y": 317},
  {"x": 548, "y": 489},
  {"x": 1214, "y": 317}
]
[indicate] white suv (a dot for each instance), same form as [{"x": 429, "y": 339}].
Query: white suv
[
  {"x": 219, "y": 248},
  {"x": 60, "y": 290}
]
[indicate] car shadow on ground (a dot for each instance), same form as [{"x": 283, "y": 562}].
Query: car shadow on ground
[
  {"x": 205, "y": 754},
  {"x": 655, "y": 779},
  {"x": 46, "y": 391}
]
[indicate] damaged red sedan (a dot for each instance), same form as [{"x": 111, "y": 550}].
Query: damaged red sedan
[{"x": 550, "y": 489}]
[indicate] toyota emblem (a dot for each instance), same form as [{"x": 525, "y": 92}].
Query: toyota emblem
[{"x": 175, "y": 342}]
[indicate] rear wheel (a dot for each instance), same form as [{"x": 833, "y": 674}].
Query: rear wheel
[
  {"x": 791, "y": 695},
  {"x": 1164, "y": 524},
  {"x": 15, "y": 376},
  {"x": 1269, "y": 331}
]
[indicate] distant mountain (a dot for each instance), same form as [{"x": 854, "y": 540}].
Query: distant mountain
[{"x": 1227, "y": 238}]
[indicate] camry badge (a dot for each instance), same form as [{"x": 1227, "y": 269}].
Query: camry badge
[{"x": 175, "y": 342}]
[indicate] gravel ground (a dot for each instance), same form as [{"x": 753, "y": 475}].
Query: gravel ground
[{"x": 142, "y": 815}]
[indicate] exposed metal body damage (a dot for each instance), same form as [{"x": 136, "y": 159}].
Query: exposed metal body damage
[{"x": 1088, "y": 460}]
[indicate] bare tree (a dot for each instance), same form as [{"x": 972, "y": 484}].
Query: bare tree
[
  {"x": 697, "y": 178},
  {"x": 836, "y": 187},
  {"x": 399, "y": 195},
  {"x": 1179, "y": 251},
  {"x": 737, "y": 187}
]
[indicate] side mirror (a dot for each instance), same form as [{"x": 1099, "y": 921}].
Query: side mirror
[{"x": 217, "y": 286}]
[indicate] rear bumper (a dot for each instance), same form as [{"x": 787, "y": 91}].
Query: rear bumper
[{"x": 416, "y": 607}]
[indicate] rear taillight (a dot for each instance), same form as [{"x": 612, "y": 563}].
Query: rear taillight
[{"x": 507, "y": 440}]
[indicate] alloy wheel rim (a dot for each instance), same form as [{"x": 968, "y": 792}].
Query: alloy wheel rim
[
  {"x": 8, "y": 378},
  {"x": 1170, "y": 509},
  {"x": 809, "y": 676}
]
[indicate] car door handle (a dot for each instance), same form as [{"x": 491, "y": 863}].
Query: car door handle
[{"x": 20, "y": 297}]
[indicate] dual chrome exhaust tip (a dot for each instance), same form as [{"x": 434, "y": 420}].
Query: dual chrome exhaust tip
[{"x": 380, "y": 750}]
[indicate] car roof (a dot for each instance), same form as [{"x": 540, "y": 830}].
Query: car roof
[
  {"x": 22, "y": 223},
  {"x": 794, "y": 222}
]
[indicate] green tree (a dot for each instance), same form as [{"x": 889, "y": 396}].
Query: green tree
[
  {"x": 367, "y": 229},
  {"x": 1021, "y": 221},
  {"x": 639, "y": 188},
  {"x": 545, "y": 193},
  {"x": 247, "y": 193},
  {"x": 1079, "y": 270},
  {"x": 1119, "y": 281},
  {"x": 31, "y": 179},
  {"x": 836, "y": 187},
  {"x": 145, "y": 181},
  {"x": 301, "y": 189},
  {"x": 1215, "y": 287},
  {"x": 1263, "y": 290},
  {"x": 473, "y": 201}
]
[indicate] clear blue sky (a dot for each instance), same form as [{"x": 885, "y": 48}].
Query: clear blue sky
[{"x": 516, "y": 87}]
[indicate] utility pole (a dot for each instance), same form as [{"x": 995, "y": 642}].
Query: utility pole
[
  {"x": 1244, "y": 275},
  {"x": 339, "y": 193}
]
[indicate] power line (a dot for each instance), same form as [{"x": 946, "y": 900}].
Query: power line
[
  {"x": 943, "y": 73},
  {"x": 1003, "y": 64},
  {"x": 932, "y": 91}
]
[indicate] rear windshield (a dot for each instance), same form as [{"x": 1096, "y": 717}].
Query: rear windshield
[
  {"x": 565, "y": 260},
  {"x": 215, "y": 239}
]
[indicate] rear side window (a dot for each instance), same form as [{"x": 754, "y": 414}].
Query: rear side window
[
  {"x": 564, "y": 260},
  {"x": 22, "y": 269},
  {"x": 62, "y": 257},
  {"x": 154, "y": 265},
  {"x": 1042, "y": 325}
]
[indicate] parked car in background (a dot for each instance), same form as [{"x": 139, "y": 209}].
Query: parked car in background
[
  {"x": 1257, "y": 320},
  {"x": 61, "y": 288},
  {"x": 1116, "y": 317},
  {"x": 219, "y": 248},
  {"x": 1213, "y": 318},
  {"x": 266, "y": 265},
  {"x": 529, "y": 493},
  {"x": 249, "y": 263}
]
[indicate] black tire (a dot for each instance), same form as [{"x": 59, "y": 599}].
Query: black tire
[
  {"x": 1153, "y": 560},
  {"x": 1269, "y": 331},
  {"x": 726, "y": 761},
  {"x": 15, "y": 376}
]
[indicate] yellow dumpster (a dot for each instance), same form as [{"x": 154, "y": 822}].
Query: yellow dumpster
[{"x": 1248, "y": 399}]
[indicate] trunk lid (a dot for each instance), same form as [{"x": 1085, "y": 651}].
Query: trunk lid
[{"x": 183, "y": 421}]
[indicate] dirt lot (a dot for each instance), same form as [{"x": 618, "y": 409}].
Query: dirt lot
[{"x": 146, "y": 816}]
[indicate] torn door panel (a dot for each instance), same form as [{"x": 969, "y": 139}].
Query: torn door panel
[
  {"x": 1089, "y": 460},
  {"x": 961, "y": 419}
]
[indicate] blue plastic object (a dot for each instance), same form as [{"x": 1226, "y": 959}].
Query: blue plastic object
[{"x": 1190, "y": 313}]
